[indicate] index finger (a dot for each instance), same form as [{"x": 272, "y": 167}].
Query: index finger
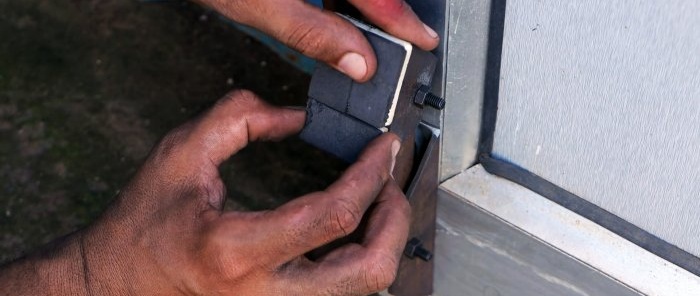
[
  {"x": 317, "y": 33},
  {"x": 397, "y": 18},
  {"x": 198, "y": 147},
  {"x": 237, "y": 119}
]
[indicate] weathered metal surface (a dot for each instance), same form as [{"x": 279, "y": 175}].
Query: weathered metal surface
[
  {"x": 524, "y": 244},
  {"x": 415, "y": 277},
  {"x": 602, "y": 99},
  {"x": 408, "y": 115},
  {"x": 465, "y": 75},
  {"x": 433, "y": 13}
]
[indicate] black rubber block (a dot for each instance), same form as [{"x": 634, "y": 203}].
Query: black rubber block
[{"x": 335, "y": 132}]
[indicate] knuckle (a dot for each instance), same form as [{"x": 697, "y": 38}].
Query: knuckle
[
  {"x": 239, "y": 99},
  {"x": 344, "y": 217},
  {"x": 215, "y": 243},
  {"x": 390, "y": 10},
  {"x": 380, "y": 273},
  {"x": 238, "y": 103},
  {"x": 307, "y": 39},
  {"x": 386, "y": 5},
  {"x": 172, "y": 143},
  {"x": 296, "y": 226}
]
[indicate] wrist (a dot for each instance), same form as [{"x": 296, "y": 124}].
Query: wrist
[
  {"x": 56, "y": 270},
  {"x": 118, "y": 263},
  {"x": 105, "y": 263}
]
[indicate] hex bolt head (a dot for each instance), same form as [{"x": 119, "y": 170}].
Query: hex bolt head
[
  {"x": 425, "y": 97},
  {"x": 414, "y": 248},
  {"x": 421, "y": 95}
]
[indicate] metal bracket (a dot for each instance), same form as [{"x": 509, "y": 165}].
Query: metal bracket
[
  {"x": 415, "y": 275},
  {"x": 343, "y": 116}
]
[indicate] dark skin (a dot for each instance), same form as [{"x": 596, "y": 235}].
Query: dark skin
[
  {"x": 325, "y": 36},
  {"x": 167, "y": 234}
]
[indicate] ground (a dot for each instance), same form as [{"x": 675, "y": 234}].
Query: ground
[{"x": 87, "y": 88}]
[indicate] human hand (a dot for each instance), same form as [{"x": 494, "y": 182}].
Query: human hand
[
  {"x": 167, "y": 234},
  {"x": 325, "y": 36}
]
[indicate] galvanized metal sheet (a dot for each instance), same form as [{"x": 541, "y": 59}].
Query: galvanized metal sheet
[
  {"x": 466, "y": 60},
  {"x": 495, "y": 235},
  {"x": 603, "y": 99}
]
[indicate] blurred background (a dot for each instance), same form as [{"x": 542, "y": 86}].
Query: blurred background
[{"x": 88, "y": 87}]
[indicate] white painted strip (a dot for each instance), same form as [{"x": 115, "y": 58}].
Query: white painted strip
[{"x": 572, "y": 234}]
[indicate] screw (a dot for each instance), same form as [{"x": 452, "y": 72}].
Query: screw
[
  {"x": 425, "y": 97},
  {"x": 414, "y": 248}
]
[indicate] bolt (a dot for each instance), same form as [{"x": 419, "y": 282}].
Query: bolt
[
  {"x": 414, "y": 248},
  {"x": 425, "y": 97},
  {"x": 435, "y": 101},
  {"x": 424, "y": 254}
]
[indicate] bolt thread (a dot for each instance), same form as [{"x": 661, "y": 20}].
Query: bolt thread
[
  {"x": 423, "y": 254},
  {"x": 435, "y": 101}
]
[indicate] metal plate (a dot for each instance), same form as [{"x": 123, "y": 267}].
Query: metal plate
[
  {"x": 415, "y": 277},
  {"x": 559, "y": 233},
  {"x": 602, "y": 99}
]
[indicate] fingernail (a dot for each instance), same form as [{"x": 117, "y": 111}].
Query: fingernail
[
  {"x": 430, "y": 31},
  {"x": 354, "y": 65},
  {"x": 395, "y": 147}
]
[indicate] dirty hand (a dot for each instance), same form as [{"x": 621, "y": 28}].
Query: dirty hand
[
  {"x": 167, "y": 233},
  {"x": 325, "y": 36}
]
